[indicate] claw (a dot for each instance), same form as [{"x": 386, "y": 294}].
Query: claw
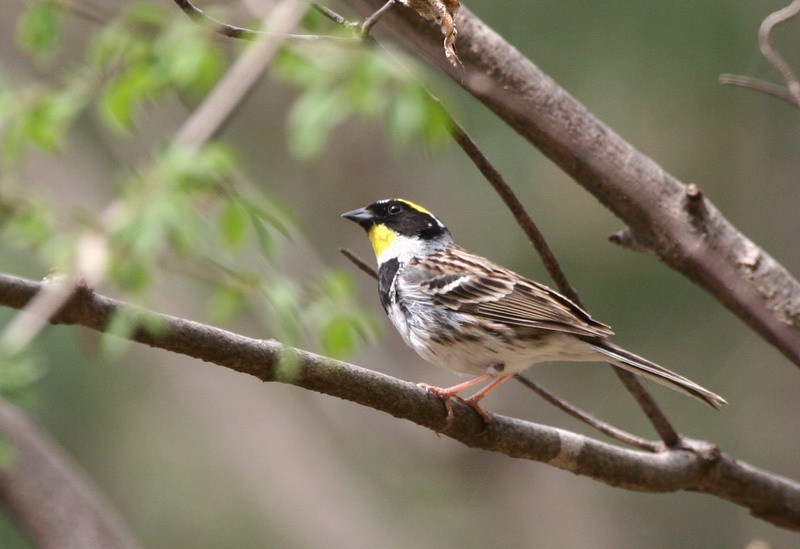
[
  {"x": 449, "y": 393},
  {"x": 446, "y": 395}
]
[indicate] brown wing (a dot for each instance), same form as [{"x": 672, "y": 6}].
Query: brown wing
[{"x": 465, "y": 282}]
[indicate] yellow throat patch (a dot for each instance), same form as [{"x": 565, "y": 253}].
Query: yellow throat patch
[{"x": 381, "y": 237}]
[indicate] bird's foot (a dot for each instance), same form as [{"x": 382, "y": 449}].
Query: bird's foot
[{"x": 448, "y": 394}]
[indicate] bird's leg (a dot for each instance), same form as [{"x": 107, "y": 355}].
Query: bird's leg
[
  {"x": 446, "y": 394},
  {"x": 477, "y": 397}
]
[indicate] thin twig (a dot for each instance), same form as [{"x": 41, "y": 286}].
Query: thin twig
[
  {"x": 758, "y": 85},
  {"x": 584, "y": 416},
  {"x": 360, "y": 263},
  {"x": 523, "y": 218},
  {"x": 791, "y": 92},
  {"x": 370, "y": 21},
  {"x": 772, "y": 54},
  {"x": 333, "y": 16},
  {"x": 242, "y": 33},
  {"x": 223, "y": 28}
]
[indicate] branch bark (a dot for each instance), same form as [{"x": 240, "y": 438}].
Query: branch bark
[
  {"x": 705, "y": 248},
  {"x": 696, "y": 466},
  {"x": 49, "y": 496}
]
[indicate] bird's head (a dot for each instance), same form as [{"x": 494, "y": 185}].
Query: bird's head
[{"x": 399, "y": 228}]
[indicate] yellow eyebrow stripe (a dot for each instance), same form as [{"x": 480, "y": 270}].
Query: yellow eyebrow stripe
[{"x": 415, "y": 206}]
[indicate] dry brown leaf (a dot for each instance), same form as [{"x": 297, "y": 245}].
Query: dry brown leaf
[{"x": 443, "y": 13}]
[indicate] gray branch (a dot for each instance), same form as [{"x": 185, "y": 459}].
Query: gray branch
[
  {"x": 684, "y": 230},
  {"x": 695, "y": 466}
]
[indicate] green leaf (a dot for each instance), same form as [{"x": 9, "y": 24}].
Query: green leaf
[
  {"x": 312, "y": 117},
  {"x": 39, "y": 30},
  {"x": 27, "y": 225},
  {"x": 233, "y": 224},
  {"x": 186, "y": 56},
  {"x": 19, "y": 372},
  {"x": 119, "y": 99},
  {"x": 46, "y": 122},
  {"x": 263, "y": 235},
  {"x": 284, "y": 299},
  {"x": 338, "y": 338}
]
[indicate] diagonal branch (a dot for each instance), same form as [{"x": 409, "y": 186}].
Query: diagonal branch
[{"x": 697, "y": 466}]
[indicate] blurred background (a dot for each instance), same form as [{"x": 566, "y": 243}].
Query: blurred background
[{"x": 194, "y": 455}]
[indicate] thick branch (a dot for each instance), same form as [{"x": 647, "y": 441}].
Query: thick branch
[
  {"x": 707, "y": 250},
  {"x": 701, "y": 468},
  {"x": 56, "y": 504}
]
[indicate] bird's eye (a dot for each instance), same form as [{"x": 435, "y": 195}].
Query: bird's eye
[{"x": 394, "y": 209}]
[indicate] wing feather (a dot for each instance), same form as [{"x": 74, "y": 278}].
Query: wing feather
[{"x": 468, "y": 283}]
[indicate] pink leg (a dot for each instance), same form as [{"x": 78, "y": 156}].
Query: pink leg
[
  {"x": 452, "y": 392},
  {"x": 477, "y": 397}
]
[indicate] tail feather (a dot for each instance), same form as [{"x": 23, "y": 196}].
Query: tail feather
[{"x": 626, "y": 360}]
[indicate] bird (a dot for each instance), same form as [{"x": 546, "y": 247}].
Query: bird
[{"x": 467, "y": 314}]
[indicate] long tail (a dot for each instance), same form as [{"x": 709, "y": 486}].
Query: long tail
[{"x": 626, "y": 360}]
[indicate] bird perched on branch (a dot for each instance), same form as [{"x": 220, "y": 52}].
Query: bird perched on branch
[{"x": 467, "y": 314}]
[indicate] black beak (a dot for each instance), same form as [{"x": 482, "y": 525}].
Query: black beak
[{"x": 362, "y": 216}]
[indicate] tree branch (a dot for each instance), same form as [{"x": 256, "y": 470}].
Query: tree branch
[
  {"x": 708, "y": 250},
  {"x": 697, "y": 466},
  {"x": 49, "y": 496}
]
